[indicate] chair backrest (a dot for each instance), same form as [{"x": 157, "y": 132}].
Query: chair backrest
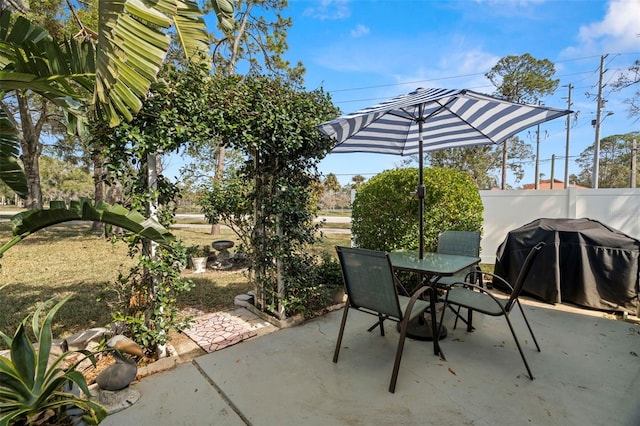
[
  {"x": 369, "y": 281},
  {"x": 463, "y": 243},
  {"x": 522, "y": 275}
]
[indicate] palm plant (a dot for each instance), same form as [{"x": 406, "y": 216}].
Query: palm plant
[
  {"x": 35, "y": 389},
  {"x": 30, "y": 221},
  {"x": 105, "y": 75}
]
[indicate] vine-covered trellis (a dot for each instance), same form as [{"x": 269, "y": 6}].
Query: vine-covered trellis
[{"x": 273, "y": 125}]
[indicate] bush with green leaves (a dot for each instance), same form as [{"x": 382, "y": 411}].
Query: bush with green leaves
[
  {"x": 36, "y": 388},
  {"x": 313, "y": 280},
  {"x": 198, "y": 251},
  {"x": 386, "y": 210}
]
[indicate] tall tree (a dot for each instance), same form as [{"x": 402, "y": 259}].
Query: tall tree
[
  {"x": 357, "y": 180},
  {"x": 255, "y": 45},
  {"x": 523, "y": 79},
  {"x": 32, "y": 114},
  {"x": 257, "y": 41},
  {"x": 615, "y": 162},
  {"x": 331, "y": 183},
  {"x": 63, "y": 181},
  {"x": 483, "y": 163},
  {"x": 478, "y": 161},
  {"x": 628, "y": 79}
]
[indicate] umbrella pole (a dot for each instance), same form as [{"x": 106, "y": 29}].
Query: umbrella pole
[{"x": 421, "y": 190}]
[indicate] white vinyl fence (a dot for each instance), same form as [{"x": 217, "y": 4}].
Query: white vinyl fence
[{"x": 508, "y": 210}]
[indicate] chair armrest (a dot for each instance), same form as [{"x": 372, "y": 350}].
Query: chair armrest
[
  {"x": 416, "y": 295},
  {"x": 478, "y": 288},
  {"x": 477, "y": 272},
  {"x": 505, "y": 282}
]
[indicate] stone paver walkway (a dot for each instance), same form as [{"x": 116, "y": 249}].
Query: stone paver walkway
[{"x": 219, "y": 330}]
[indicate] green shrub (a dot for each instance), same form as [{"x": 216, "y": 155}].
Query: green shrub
[
  {"x": 311, "y": 284},
  {"x": 386, "y": 210}
]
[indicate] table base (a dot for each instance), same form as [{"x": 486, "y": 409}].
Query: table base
[{"x": 419, "y": 328}]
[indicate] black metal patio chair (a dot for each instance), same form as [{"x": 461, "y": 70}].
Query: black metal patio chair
[
  {"x": 476, "y": 298},
  {"x": 370, "y": 285}
]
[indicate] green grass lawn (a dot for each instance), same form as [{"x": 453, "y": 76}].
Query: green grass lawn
[{"x": 70, "y": 259}]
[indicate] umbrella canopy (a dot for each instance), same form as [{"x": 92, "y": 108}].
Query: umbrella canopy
[
  {"x": 432, "y": 119},
  {"x": 449, "y": 118}
]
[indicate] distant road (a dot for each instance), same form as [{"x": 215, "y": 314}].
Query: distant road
[
  {"x": 328, "y": 219},
  {"x": 326, "y": 229}
]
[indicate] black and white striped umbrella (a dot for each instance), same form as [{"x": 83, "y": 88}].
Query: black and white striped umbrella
[
  {"x": 449, "y": 119},
  {"x": 432, "y": 119}
]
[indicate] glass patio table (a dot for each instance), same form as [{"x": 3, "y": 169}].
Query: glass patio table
[{"x": 430, "y": 269}]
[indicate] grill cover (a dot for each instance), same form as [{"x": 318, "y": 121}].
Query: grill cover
[{"x": 584, "y": 262}]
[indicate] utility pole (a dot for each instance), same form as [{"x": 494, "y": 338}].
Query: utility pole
[
  {"x": 596, "y": 150},
  {"x": 553, "y": 169},
  {"x": 566, "y": 153},
  {"x": 537, "y": 181},
  {"x": 634, "y": 164}
]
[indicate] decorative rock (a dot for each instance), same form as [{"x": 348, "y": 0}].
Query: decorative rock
[
  {"x": 79, "y": 340},
  {"x": 114, "y": 401},
  {"x": 243, "y": 300}
]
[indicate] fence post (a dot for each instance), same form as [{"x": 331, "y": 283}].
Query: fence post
[{"x": 572, "y": 204}]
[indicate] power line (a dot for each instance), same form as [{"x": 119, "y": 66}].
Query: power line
[
  {"x": 616, "y": 55},
  {"x": 408, "y": 82}
]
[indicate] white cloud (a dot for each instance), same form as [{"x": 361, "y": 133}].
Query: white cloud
[
  {"x": 461, "y": 60},
  {"x": 359, "y": 31},
  {"x": 329, "y": 10},
  {"x": 616, "y": 32},
  {"x": 510, "y": 8},
  {"x": 510, "y": 3},
  {"x": 464, "y": 70}
]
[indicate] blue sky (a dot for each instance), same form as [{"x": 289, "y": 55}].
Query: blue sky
[{"x": 365, "y": 51}]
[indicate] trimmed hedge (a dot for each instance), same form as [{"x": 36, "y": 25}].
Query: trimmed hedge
[{"x": 385, "y": 209}]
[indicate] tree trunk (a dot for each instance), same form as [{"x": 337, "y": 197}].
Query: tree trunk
[
  {"x": 98, "y": 181},
  {"x": 215, "y": 228},
  {"x": 153, "y": 170},
  {"x": 31, "y": 150}
]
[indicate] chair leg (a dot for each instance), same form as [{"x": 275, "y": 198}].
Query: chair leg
[
  {"x": 526, "y": 321},
  {"x": 513, "y": 333},
  {"x": 440, "y": 326},
  {"x": 380, "y": 323},
  {"x": 469, "y": 320},
  {"x": 342, "y": 324},
  {"x": 457, "y": 312},
  {"x": 404, "y": 325},
  {"x": 396, "y": 365}
]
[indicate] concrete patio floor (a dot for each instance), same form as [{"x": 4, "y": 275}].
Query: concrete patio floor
[{"x": 588, "y": 373}]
